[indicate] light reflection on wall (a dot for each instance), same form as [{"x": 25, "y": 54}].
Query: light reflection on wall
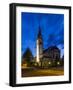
[{"x": 37, "y": 58}]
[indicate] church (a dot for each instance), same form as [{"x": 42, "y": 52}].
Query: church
[
  {"x": 47, "y": 56},
  {"x": 44, "y": 58}
]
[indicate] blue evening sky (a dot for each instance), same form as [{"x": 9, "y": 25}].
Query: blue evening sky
[{"x": 52, "y": 30}]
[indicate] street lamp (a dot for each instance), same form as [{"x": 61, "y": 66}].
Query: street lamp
[
  {"x": 58, "y": 63},
  {"x": 49, "y": 62}
]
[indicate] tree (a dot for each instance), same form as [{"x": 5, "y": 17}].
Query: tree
[{"x": 28, "y": 56}]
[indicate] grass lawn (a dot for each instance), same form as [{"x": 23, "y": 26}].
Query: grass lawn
[{"x": 30, "y": 72}]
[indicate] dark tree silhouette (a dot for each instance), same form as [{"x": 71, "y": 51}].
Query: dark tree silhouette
[{"x": 27, "y": 55}]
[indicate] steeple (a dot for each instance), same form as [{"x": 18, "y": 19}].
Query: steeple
[
  {"x": 39, "y": 45},
  {"x": 39, "y": 33}
]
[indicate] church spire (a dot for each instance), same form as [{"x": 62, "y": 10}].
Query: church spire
[
  {"x": 39, "y": 45},
  {"x": 39, "y": 36},
  {"x": 39, "y": 33}
]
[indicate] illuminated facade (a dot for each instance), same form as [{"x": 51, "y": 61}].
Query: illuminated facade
[
  {"x": 39, "y": 47},
  {"x": 44, "y": 57}
]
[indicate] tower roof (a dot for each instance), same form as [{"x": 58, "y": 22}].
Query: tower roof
[{"x": 39, "y": 33}]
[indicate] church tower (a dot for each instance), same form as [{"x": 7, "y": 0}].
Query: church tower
[{"x": 39, "y": 46}]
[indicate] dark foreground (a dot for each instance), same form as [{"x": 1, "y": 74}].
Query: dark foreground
[{"x": 30, "y": 72}]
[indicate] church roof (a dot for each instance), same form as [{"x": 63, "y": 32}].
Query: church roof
[{"x": 51, "y": 48}]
